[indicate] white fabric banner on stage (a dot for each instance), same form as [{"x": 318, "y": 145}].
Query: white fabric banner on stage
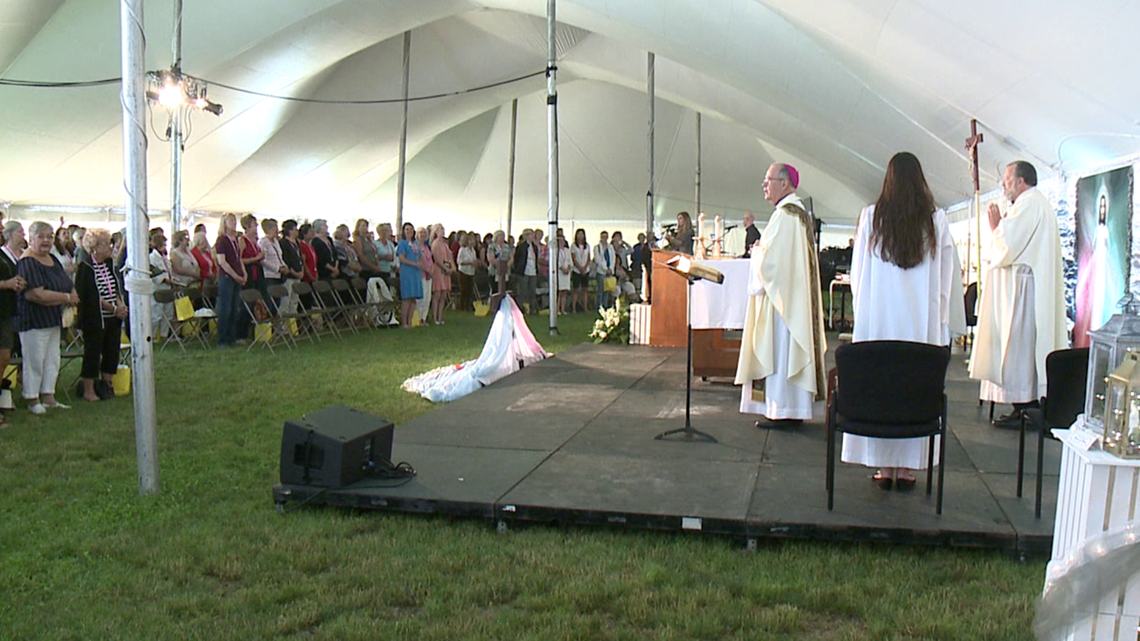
[
  {"x": 510, "y": 344},
  {"x": 722, "y": 306}
]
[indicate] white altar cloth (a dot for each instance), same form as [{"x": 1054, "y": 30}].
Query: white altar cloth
[{"x": 722, "y": 306}]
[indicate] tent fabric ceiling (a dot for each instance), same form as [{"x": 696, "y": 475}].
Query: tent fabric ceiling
[{"x": 835, "y": 86}]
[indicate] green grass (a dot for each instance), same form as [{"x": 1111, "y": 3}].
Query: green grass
[{"x": 82, "y": 556}]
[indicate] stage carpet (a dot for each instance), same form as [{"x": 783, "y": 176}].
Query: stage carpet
[{"x": 570, "y": 441}]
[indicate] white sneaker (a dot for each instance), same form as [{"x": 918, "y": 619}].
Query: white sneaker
[
  {"x": 57, "y": 406},
  {"x": 37, "y": 409}
]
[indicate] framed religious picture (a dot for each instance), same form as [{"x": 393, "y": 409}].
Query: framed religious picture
[{"x": 1103, "y": 238}]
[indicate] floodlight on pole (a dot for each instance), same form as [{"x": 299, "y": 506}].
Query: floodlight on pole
[{"x": 173, "y": 89}]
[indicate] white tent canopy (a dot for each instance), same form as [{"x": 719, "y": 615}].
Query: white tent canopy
[{"x": 833, "y": 86}]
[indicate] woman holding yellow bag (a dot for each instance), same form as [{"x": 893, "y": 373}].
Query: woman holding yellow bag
[{"x": 101, "y": 313}]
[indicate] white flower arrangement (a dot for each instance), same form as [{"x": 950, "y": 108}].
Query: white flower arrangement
[{"x": 612, "y": 325}]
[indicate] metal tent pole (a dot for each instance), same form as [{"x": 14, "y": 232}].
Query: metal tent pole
[
  {"x": 138, "y": 282},
  {"x": 176, "y": 127},
  {"x": 511, "y": 166},
  {"x": 552, "y": 165},
  {"x": 651, "y": 91},
  {"x": 697, "y": 182},
  {"x": 403, "y": 136}
]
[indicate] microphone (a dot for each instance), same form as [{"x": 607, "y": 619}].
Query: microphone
[{"x": 730, "y": 228}]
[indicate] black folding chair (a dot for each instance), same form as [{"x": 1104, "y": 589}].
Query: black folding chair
[
  {"x": 1065, "y": 372},
  {"x": 352, "y": 310},
  {"x": 298, "y": 322},
  {"x": 889, "y": 389},
  {"x": 971, "y": 316},
  {"x": 322, "y": 316},
  {"x": 330, "y": 306},
  {"x": 276, "y": 327}
]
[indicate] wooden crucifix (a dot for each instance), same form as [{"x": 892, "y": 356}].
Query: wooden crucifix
[{"x": 972, "y": 143}]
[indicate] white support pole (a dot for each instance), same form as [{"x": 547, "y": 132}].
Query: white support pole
[
  {"x": 697, "y": 213},
  {"x": 511, "y": 166},
  {"x": 651, "y": 91},
  {"x": 978, "y": 242},
  {"x": 176, "y": 127},
  {"x": 176, "y": 168},
  {"x": 403, "y": 135},
  {"x": 552, "y": 165},
  {"x": 138, "y": 282}
]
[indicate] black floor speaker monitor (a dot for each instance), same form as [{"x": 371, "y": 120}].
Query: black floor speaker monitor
[{"x": 333, "y": 447}]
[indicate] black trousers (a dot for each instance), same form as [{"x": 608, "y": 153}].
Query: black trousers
[{"x": 101, "y": 349}]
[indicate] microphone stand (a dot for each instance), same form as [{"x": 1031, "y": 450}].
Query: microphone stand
[{"x": 688, "y": 433}]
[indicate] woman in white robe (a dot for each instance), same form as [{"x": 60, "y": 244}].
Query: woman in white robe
[{"x": 921, "y": 302}]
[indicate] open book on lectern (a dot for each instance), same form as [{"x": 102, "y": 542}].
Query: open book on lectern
[{"x": 686, "y": 267}]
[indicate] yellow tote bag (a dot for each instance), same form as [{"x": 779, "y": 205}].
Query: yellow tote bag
[
  {"x": 262, "y": 333},
  {"x": 187, "y": 329},
  {"x": 121, "y": 381},
  {"x": 609, "y": 284},
  {"x": 183, "y": 308},
  {"x": 482, "y": 309}
]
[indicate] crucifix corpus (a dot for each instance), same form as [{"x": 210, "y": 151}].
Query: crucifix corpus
[{"x": 972, "y": 143}]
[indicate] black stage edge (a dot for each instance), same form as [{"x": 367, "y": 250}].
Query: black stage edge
[{"x": 570, "y": 441}]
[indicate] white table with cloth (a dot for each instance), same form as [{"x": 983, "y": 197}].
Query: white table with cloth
[{"x": 722, "y": 306}]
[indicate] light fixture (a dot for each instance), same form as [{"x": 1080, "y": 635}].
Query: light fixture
[
  {"x": 171, "y": 95},
  {"x": 172, "y": 89}
]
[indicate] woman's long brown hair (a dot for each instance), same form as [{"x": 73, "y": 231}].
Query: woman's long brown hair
[{"x": 903, "y": 228}]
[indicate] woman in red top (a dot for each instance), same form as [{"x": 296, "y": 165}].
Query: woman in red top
[
  {"x": 308, "y": 253},
  {"x": 251, "y": 254},
  {"x": 207, "y": 266}
]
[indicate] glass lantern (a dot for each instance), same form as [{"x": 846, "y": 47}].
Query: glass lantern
[
  {"x": 1121, "y": 415},
  {"x": 1108, "y": 347}
]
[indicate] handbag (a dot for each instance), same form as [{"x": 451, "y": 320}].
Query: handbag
[
  {"x": 183, "y": 308},
  {"x": 609, "y": 284}
]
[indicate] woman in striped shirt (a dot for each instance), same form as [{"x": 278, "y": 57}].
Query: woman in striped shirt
[{"x": 102, "y": 311}]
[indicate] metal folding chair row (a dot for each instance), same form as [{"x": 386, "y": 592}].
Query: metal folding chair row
[{"x": 271, "y": 330}]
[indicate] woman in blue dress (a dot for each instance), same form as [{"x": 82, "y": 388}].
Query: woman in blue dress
[{"x": 408, "y": 252}]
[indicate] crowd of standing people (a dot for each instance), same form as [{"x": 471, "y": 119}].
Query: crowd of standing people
[{"x": 59, "y": 280}]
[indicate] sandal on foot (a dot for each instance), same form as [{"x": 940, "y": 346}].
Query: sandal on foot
[
  {"x": 884, "y": 482},
  {"x": 903, "y": 484}
]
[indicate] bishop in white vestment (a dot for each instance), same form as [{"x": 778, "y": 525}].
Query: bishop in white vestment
[
  {"x": 781, "y": 352},
  {"x": 1021, "y": 316}
]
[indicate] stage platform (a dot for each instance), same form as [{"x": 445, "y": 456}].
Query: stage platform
[{"x": 569, "y": 440}]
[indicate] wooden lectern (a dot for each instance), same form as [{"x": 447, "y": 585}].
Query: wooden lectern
[{"x": 714, "y": 354}]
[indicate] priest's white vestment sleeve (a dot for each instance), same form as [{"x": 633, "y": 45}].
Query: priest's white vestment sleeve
[
  {"x": 783, "y": 341},
  {"x": 1026, "y": 239},
  {"x": 921, "y": 304}
]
